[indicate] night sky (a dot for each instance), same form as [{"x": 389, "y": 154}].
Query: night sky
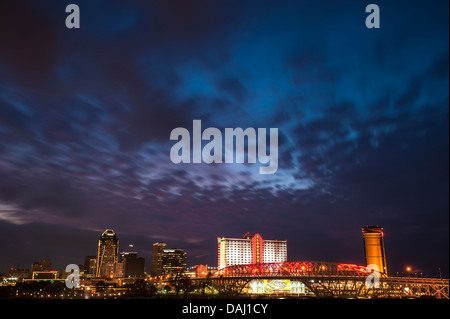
[{"x": 362, "y": 115}]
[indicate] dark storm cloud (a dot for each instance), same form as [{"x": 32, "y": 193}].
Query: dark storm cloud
[
  {"x": 34, "y": 55},
  {"x": 233, "y": 87},
  {"x": 41, "y": 193},
  {"x": 14, "y": 120},
  {"x": 28, "y": 42},
  {"x": 85, "y": 118},
  {"x": 152, "y": 117}
]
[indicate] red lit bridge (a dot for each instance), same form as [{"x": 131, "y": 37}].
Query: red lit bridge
[
  {"x": 323, "y": 279},
  {"x": 295, "y": 269}
]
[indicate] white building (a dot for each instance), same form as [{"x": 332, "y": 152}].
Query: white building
[{"x": 250, "y": 250}]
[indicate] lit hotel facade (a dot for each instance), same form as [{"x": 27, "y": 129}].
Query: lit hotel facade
[{"x": 250, "y": 250}]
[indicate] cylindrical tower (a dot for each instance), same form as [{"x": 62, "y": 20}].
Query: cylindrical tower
[{"x": 374, "y": 248}]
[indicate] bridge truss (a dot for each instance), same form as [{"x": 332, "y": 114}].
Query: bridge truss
[{"x": 327, "y": 279}]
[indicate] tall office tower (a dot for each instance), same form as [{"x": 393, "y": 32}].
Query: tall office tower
[
  {"x": 108, "y": 254},
  {"x": 374, "y": 247},
  {"x": 156, "y": 266},
  {"x": 173, "y": 260},
  {"x": 133, "y": 266},
  {"x": 250, "y": 250}
]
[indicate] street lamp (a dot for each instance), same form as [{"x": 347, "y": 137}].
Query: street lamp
[{"x": 408, "y": 269}]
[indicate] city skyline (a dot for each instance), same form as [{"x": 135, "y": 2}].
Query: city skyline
[
  {"x": 362, "y": 116},
  {"x": 239, "y": 256}
]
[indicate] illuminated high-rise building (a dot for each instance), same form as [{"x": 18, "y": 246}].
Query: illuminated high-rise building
[
  {"x": 157, "y": 253},
  {"x": 108, "y": 254},
  {"x": 250, "y": 250},
  {"x": 167, "y": 261},
  {"x": 173, "y": 261},
  {"x": 374, "y": 247}
]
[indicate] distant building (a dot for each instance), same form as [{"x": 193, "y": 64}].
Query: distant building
[
  {"x": 250, "y": 250},
  {"x": 133, "y": 266},
  {"x": 374, "y": 247},
  {"x": 173, "y": 261},
  {"x": 107, "y": 254},
  {"x": 43, "y": 265},
  {"x": 201, "y": 270},
  {"x": 90, "y": 263},
  {"x": 157, "y": 253},
  {"x": 118, "y": 269},
  {"x": 166, "y": 261},
  {"x": 19, "y": 274}
]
